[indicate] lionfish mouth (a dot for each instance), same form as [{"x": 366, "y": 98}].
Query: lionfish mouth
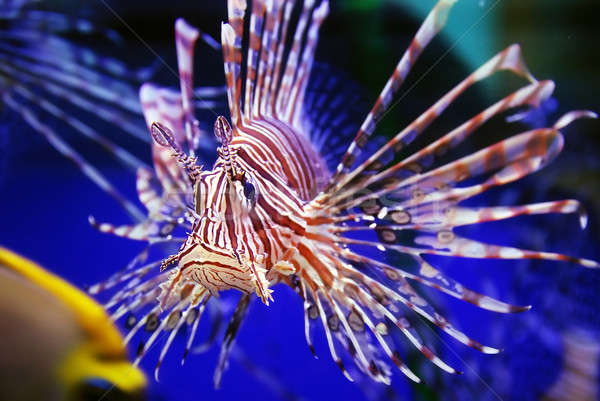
[{"x": 215, "y": 270}]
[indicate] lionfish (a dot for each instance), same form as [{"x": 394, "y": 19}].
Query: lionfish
[{"x": 271, "y": 210}]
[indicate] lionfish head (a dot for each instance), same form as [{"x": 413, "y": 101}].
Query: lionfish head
[{"x": 221, "y": 252}]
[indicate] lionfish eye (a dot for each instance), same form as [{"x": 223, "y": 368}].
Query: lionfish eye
[{"x": 249, "y": 191}]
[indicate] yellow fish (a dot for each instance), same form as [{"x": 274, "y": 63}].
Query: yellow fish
[{"x": 58, "y": 343}]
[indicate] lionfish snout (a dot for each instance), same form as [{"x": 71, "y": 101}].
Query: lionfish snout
[
  {"x": 218, "y": 269},
  {"x": 214, "y": 268},
  {"x": 209, "y": 267}
]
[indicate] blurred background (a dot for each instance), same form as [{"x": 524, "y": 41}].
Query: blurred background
[{"x": 550, "y": 352}]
